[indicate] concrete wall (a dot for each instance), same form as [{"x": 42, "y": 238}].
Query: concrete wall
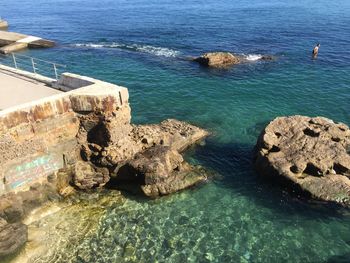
[{"x": 37, "y": 138}]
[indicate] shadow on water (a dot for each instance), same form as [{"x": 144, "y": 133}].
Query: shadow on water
[
  {"x": 339, "y": 259},
  {"x": 234, "y": 162}
]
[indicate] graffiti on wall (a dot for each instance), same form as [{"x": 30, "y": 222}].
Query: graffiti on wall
[{"x": 29, "y": 171}]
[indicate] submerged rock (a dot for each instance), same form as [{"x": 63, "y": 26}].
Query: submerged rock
[
  {"x": 267, "y": 57},
  {"x": 217, "y": 59},
  {"x": 12, "y": 237},
  {"x": 311, "y": 153}
]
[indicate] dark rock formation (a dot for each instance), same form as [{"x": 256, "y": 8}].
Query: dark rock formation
[
  {"x": 146, "y": 157},
  {"x": 12, "y": 237},
  {"x": 267, "y": 57},
  {"x": 312, "y": 153},
  {"x": 159, "y": 170},
  {"x": 217, "y": 59}
]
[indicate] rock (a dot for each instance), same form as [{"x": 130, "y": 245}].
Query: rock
[
  {"x": 85, "y": 176},
  {"x": 64, "y": 179},
  {"x": 176, "y": 134},
  {"x": 267, "y": 57},
  {"x": 311, "y": 153},
  {"x": 160, "y": 170},
  {"x": 12, "y": 237},
  {"x": 109, "y": 142},
  {"x": 217, "y": 59}
]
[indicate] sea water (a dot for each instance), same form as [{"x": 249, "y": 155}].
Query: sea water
[{"x": 145, "y": 46}]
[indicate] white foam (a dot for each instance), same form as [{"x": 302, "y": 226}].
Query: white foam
[
  {"x": 253, "y": 57},
  {"x": 89, "y": 45},
  {"x": 157, "y": 51}
]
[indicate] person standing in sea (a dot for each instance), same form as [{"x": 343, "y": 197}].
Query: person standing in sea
[{"x": 315, "y": 50}]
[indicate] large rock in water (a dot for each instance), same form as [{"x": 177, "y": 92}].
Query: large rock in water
[
  {"x": 160, "y": 170},
  {"x": 313, "y": 153},
  {"x": 217, "y": 59}
]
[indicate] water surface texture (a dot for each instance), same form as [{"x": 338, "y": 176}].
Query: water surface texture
[{"x": 143, "y": 45}]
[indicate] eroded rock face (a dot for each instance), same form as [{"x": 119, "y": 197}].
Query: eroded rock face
[
  {"x": 218, "y": 59},
  {"x": 12, "y": 237},
  {"x": 147, "y": 156},
  {"x": 160, "y": 170},
  {"x": 176, "y": 134},
  {"x": 313, "y": 153}
]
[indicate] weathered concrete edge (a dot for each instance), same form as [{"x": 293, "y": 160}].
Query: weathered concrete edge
[
  {"x": 97, "y": 88},
  {"x": 55, "y": 116},
  {"x": 30, "y": 75}
]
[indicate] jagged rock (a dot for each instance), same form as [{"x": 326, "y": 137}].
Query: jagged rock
[
  {"x": 85, "y": 176},
  {"x": 176, "y": 134},
  {"x": 312, "y": 153},
  {"x": 64, "y": 179},
  {"x": 217, "y": 59},
  {"x": 12, "y": 237},
  {"x": 160, "y": 170},
  {"x": 110, "y": 142}
]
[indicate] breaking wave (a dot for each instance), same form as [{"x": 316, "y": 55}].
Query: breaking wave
[
  {"x": 157, "y": 51},
  {"x": 253, "y": 57}
]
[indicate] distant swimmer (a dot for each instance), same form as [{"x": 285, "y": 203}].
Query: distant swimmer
[{"x": 315, "y": 51}]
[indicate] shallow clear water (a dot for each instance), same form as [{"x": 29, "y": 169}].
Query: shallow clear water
[{"x": 142, "y": 45}]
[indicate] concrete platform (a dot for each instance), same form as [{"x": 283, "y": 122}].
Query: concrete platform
[
  {"x": 21, "y": 41},
  {"x": 16, "y": 89}
]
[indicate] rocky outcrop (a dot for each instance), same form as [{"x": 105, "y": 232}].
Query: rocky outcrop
[
  {"x": 218, "y": 59},
  {"x": 311, "y": 153},
  {"x": 160, "y": 170},
  {"x": 12, "y": 237},
  {"x": 225, "y": 59},
  {"x": 86, "y": 176},
  {"x": 145, "y": 157},
  {"x": 81, "y": 140}
]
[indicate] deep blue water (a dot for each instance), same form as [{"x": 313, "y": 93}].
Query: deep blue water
[{"x": 142, "y": 45}]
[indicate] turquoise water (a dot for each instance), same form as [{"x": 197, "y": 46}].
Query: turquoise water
[{"x": 238, "y": 217}]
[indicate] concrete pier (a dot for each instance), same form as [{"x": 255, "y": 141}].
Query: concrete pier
[
  {"x": 16, "y": 89},
  {"x": 39, "y": 124},
  {"x": 11, "y": 42}
]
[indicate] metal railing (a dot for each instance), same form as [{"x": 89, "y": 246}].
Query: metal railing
[{"x": 35, "y": 65}]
